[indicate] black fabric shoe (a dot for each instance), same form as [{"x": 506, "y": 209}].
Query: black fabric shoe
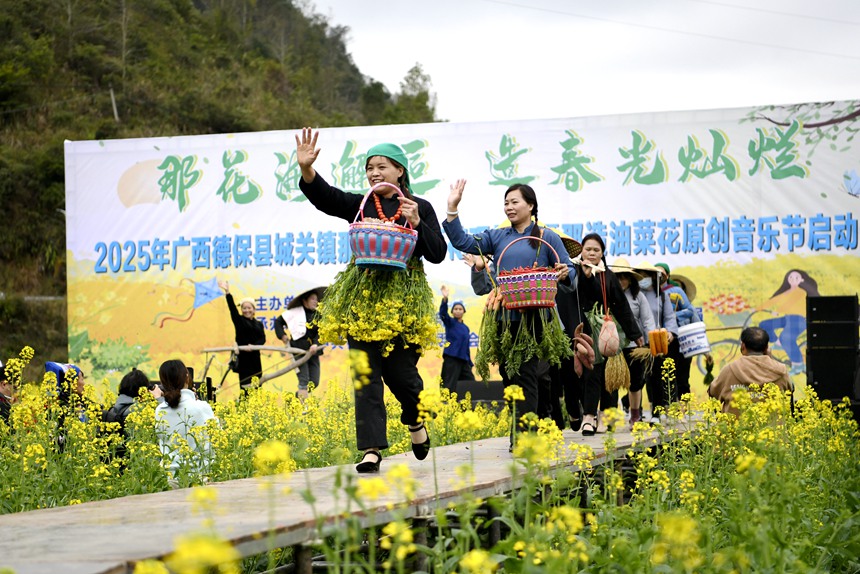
[
  {"x": 368, "y": 464},
  {"x": 422, "y": 449},
  {"x": 575, "y": 424}
]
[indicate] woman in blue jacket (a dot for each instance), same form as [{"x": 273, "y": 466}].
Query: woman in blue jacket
[
  {"x": 518, "y": 366},
  {"x": 456, "y": 360}
]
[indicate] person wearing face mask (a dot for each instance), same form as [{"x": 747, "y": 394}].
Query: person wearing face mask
[
  {"x": 392, "y": 353},
  {"x": 664, "y": 318},
  {"x": 685, "y": 314},
  {"x": 249, "y": 331},
  {"x": 641, "y": 310}
]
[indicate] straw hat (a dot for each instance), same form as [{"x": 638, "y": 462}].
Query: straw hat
[
  {"x": 648, "y": 268},
  {"x": 571, "y": 245},
  {"x": 621, "y": 265},
  {"x": 686, "y": 284},
  {"x": 297, "y": 300}
]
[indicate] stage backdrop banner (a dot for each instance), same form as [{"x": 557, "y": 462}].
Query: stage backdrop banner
[{"x": 749, "y": 205}]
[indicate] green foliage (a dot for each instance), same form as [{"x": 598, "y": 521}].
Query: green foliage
[{"x": 174, "y": 67}]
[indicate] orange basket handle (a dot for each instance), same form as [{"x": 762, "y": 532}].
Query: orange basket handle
[
  {"x": 367, "y": 195},
  {"x": 526, "y": 237}
]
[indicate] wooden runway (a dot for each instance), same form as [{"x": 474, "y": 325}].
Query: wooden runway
[{"x": 110, "y": 536}]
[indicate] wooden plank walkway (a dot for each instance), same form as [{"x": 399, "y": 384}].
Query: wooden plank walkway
[{"x": 110, "y": 536}]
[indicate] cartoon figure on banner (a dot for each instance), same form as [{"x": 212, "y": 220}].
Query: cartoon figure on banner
[
  {"x": 789, "y": 304},
  {"x": 204, "y": 292}
]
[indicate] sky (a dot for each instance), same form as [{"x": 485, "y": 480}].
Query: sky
[{"x": 491, "y": 60}]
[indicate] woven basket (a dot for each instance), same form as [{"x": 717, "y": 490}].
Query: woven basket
[
  {"x": 381, "y": 245},
  {"x": 527, "y": 289}
]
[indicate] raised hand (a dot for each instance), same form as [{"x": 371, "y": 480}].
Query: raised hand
[
  {"x": 225, "y": 286},
  {"x": 307, "y": 152},
  {"x": 456, "y": 194},
  {"x": 444, "y": 290}
]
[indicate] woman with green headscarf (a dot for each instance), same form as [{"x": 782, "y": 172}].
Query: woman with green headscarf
[{"x": 387, "y": 315}]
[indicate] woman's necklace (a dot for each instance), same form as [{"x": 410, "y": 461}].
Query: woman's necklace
[{"x": 381, "y": 213}]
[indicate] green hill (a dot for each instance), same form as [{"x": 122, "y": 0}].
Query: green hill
[{"x": 83, "y": 70}]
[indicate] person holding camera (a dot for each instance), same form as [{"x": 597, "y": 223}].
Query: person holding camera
[
  {"x": 126, "y": 401},
  {"x": 128, "y": 393}
]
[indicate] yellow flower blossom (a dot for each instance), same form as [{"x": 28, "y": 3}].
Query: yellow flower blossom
[
  {"x": 203, "y": 499},
  {"x": 744, "y": 462},
  {"x": 514, "y": 393},
  {"x": 371, "y": 489},
  {"x": 150, "y": 567},
  {"x": 203, "y": 554},
  {"x": 400, "y": 476},
  {"x": 273, "y": 457},
  {"x": 398, "y": 536},
  {"x": 678, "y": 541},
  {"x": 477, "y": 562},
  {"x": 468, "y": 421}
]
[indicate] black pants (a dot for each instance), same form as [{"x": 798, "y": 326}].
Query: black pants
[
  {"x": 532, "y": 374},
  {"x": 595, "y": 382},
  {"x": 399, "y": 371},
  {"x": 682, "y": 366},
  {"x": 566, "y": 383},
  {"x": 454, "y": 370},
  {"x": 658, "y": 390},
  {"x": 637, "y": 371}
]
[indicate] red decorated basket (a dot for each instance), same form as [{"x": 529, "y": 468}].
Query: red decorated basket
[
  {"x": 527, "y": 288},
  {"x": 378, "y": 245}
]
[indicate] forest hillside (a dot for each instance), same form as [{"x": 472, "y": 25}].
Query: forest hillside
[{"x": 107, "y": 69}]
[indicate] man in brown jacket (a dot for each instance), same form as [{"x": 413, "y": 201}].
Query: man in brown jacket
[{"x": 755, "y": 368}]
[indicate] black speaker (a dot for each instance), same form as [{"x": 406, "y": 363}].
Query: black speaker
[
  {"x": 832, "y": 308},
  {"x": 832, "y": 372},
  {"x": 832, "y": 335}
]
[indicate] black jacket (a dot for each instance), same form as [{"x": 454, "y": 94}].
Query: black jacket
[{"x": 590, "y": 291}]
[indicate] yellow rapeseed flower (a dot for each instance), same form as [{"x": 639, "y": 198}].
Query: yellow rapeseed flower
[
  {"x": 398, "y": 536},
  {"x": 371, "y": 488},
  {"x": 514, "y": 393},
  {"x": 468, "y": 421},
  {"x": 400, "y": 476},
  {"x": 272, "y": 457},
  {"x": 150, "y": 567},
  {"x": 203, "y": 499},
  {"x": 203, "y": 554},
  {"x": 744, "y": 462},
  {"x": 477, "y": 562},
  {"x": 678, "y": 541},
  {"x": 360, "y": 367},
  {"x": 430, "y": 402}
]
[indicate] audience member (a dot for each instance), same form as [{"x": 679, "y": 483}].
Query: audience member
[
  {"x": 178, "y": 419},
  {"x": 751, "y": 371},
  {"x": 456, "y": 360},
  {"x": 296, "y": 328},
  {"x": 7, "y": 394}
]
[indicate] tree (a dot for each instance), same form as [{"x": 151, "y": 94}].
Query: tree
[{"x": 414, "y": 103}]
